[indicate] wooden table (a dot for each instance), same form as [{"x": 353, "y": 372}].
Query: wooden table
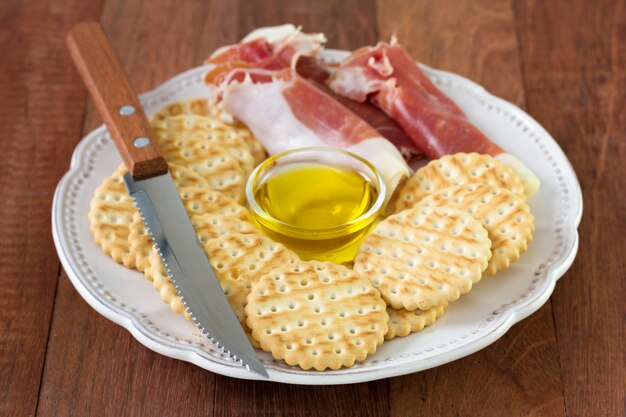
[{"x": 563, "y": 61}]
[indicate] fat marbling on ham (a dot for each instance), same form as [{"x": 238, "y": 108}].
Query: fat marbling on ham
[
  {"x": 286, "y": 46},
  {"x": 387, "y": 76},
  {"x": 286, "y": 112}
]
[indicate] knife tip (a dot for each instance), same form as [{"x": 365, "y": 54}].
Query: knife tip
[{"x": 256, "y": 367}]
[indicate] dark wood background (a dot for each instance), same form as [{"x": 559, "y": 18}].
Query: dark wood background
[{"x": 562, "y": 61}]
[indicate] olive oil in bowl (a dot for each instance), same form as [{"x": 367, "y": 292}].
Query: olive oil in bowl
[{"x": 319, "y": 202}]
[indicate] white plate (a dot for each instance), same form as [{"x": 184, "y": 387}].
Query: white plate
[{"x": 471, "y": 323}]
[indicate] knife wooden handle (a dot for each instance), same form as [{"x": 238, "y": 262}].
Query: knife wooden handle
[{"x": 116, "y": 100}]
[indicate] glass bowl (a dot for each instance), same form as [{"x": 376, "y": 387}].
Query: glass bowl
[{"x": 337, "y": 243}]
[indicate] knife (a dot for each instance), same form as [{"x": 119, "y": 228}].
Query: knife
[{"x": 151, "y": 187}]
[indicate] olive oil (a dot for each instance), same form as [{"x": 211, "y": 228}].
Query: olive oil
[
  {"x": 317, "y": 209},
  {"x": 315, "y": 196}
]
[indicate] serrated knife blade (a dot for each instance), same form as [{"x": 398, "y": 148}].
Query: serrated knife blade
[
  {"x": 189, "y": 269},
  {"x": 152, "y": 189}
]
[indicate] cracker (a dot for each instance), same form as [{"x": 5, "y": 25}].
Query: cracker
[
  {"x": 316, "y": 315},
  {"x": 457, "y": 169},
  {"x": 213, "y": 163},
  {"x": 162, "y": 283},
  {"x": 207, "y": 226},
  {"x": 202, "y": 107},
  {"x": 199, "y": 201},
  {"x": 213, "y": 132},
  {"x": 213, "y": 226},
  {"x": 504, "y": 214},
  {"x": 111, "y": 213},
  {"x": 212, "y": 214},
  {"x": 424, "y": 257},
  {"x": 238, "y": 261},
  {"x": 256, "y": 147},
  {"x": 185, "y": 178},
  {"x": 140, "y": 243},
  {"x": 403, "y": 322},
  {"x": 199, "y": 106}
]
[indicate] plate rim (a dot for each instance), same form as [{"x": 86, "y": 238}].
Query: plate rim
[{"x": 520, "y": 311}]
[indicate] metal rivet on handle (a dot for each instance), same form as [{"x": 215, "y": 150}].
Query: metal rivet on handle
[
  {"x": 127, "y": 110},
  {"x": 141, "y": 142}
]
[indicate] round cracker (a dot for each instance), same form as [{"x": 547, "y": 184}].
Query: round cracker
[
  {"x": 245, "y": 258},
  {"x": 403, "y": 322},
  {"x": 457, "y": 169},
  {"x": 140, "y": 243},
  {"x": 316, "y": 315},
  {"x": 221, "y": 218},
  {"x": 202, "y": 107},
  {"x": 212, "y": 162},
  {"x": 111, "y": 213},
  {"x": 199, "y": 106},
  {"x": 198, "y": 201},
  {"x": 161, "y": 282},
  {"x": 238, "y": 260},
  {"x": 504, "y": 214},
  {"x": 213, "y": 131},
  {"x": 424, "y": 257}
]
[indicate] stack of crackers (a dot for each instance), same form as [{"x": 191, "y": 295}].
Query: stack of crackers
[{"x": 456, "y": 219}]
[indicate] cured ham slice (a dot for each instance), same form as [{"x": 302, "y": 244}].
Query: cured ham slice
[
  {"x": 273, "y": 47},
  {"x": 312, "y": 71},
  {"x": 286, "y": 46},
  {"x": 387, "y": 76},
  {"x": 286, "y": 112}
]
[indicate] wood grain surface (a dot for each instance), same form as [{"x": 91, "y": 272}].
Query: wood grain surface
[{"x": 563, "y": 61}]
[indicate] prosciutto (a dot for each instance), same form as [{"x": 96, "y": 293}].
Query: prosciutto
[
  {"x": 273, "y": 47},
  {"x": 285, "y": 112},
  {"x": 286, "y": 46},
  {"x": 387, "y": 76},
  {"x": 318, "y": 75}
]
